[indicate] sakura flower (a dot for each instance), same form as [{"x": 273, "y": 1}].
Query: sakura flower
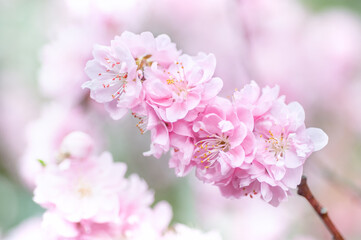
[
  {"x": 182, "y": 232},
  {"x": 224, "y": 140},
  {"x": 117, "y": 72},
  {"x": 182, "y": 90},
  {"x": 283, "y": 145},
  {"x": 45, "y": 135},
  {"x": 113, "y": 74},
  {"x": 80, "y": 191}
]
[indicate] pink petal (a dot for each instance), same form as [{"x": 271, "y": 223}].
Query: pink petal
[
  {"x": 318, "y": 137},
  {"x": 293, "y": 177},
  {"x": 292, "y": 160},
  {"x": 176, "y": 111},
  {"x": 238, "y": 156},
  {"x": 212, "y": 88},
  {"x": 115, "y": 112}
]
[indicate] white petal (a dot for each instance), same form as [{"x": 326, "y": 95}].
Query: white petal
[{"x": 318, "y": 137}]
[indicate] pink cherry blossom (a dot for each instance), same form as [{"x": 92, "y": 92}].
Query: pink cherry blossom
[
  {"x": 224, "y": 140},
  {"x": 283, "y": 145},
  {"x": 80, "y": 191},
  {"x": 117, "y": 72},
  {"x": 91, "y": 199},
  {"x": 182, "y": 90},
  {"x": 44, "y": 137}
]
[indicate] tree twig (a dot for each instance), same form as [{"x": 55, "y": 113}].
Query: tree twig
[{"x": 305, "y": 191}]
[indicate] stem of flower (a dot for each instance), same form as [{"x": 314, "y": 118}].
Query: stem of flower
[{"x": 305, "y": 191}]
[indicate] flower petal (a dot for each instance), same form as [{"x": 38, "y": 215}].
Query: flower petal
[{"x": 318, "y": 137}]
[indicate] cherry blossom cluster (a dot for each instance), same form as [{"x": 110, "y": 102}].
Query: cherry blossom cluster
[
  {"x": 88, "y": 197},
  {"x": 251, "y": 145}
]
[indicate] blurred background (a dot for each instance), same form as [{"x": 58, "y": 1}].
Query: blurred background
[{"x": 311, "y": 48}]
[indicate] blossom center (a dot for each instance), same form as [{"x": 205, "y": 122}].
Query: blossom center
[
  {"x": 143, "y": 62},
  {"x": 277, "y": 145},
  {"x": 83, "y": 190},
  {"x": 209, "y": 148},
  {"x": 115, "y": 76},
  {"x": 177, "y": 81}
]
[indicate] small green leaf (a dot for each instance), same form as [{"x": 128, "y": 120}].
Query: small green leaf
[{"x": 43, "y": 164}]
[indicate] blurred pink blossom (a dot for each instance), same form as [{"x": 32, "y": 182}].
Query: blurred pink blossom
[
  {"x": 91, "y": 199},
  {"x": 304, "y": 53},
  {"x": 44, "y": 137},
  {"x": 80, "y": 191}
]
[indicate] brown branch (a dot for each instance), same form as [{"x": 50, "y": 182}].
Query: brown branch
[{"x": 305, "y": 191}]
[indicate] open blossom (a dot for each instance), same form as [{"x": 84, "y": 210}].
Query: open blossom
[
  {"x": 182, "y": 232},
  {"x": 224, "y": 140},
  {"x": 91, "y": 199},
  {"x": 117, "y": 71},
  {"x": 188, "y": 84},
  {"x": 45, "y": 145},
  {"x": 80, "y": 191},
  {"x": 283, "y": 145}
]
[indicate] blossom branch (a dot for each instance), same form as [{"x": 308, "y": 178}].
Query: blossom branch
[{"x": 305, "y": 191}]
